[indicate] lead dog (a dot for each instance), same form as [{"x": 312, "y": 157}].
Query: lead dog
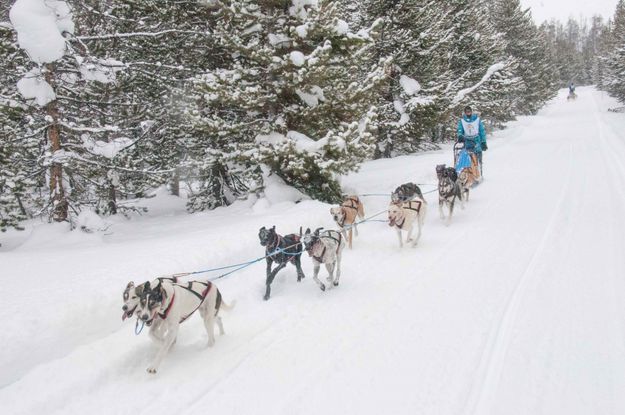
[
  {"x": 325, "y": 248},
  {"x": 404, "y": 216},
  {"x": 448, "y": 190},
  {"x": 346, "y": 214},
  {"x": 132, "y": 294},
  {"x": 171, "y": 303}
]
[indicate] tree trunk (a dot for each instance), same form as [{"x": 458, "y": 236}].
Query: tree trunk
[
  {"x": 57, "y": 193},
  {"x": 174, "y": 184}
]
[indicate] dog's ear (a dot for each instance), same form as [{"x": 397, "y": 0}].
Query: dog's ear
[
  {"x": 163, "y": 293},
  {"x": 307, "y": 231},
  {"x": 146, "y": 286},
  {"x": 130, "y": 284},
  {"x": 273, "y": 228}
]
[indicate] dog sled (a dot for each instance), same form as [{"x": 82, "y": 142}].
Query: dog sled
[{"x": 467, "y": 160}]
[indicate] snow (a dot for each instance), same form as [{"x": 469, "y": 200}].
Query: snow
[
  {"x": 341, "y": 28},
  {"x": 106, "y": 149},
  {"x": 404, "y": 118},
  {"x": 515, "y": 308},
  {"x": 101, "y": 70},
  {"x": 311, "y": 99},
  {"x": 34, "y": 86},
  {"x": 299, "y": 8},
  {"x": 300, "y": 141},
  {"x": 298, "y": 58},
  {"x": 40, "y": 25},
  {"x": 302, "y": 30},
  {"x": 493, "y": 69},
  {"x": 277, "y": 193},
  {"x": 279, "y": 40},
  {"x": 89, "y": 221},
  {"x": 409, "y": 85}
]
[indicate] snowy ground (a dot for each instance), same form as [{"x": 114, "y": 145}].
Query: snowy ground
[{"x": 516, "y": 308}]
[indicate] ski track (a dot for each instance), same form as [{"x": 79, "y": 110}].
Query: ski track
[{"x": 515, "y": 308}]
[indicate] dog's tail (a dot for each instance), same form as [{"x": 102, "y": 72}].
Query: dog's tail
[
  {"x": 227, "y": 307},
  {"x": 361, "y": 209}
]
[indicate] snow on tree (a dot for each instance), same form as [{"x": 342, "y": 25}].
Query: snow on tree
[
  {"x": 612, "y": 79},
  {"x": 525, "y": 43},
  {"x": 292, "y": 96},
  {"x": 13, "y": 178}
]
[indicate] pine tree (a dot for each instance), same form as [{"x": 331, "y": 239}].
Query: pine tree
[
  {"x": 292, "y": 97},
  {"x": 483, "y": 74},
  {"x": 613, "y": 79},
  {"x": 525, "y": 43},
  {"x": 13, "y": 180}
]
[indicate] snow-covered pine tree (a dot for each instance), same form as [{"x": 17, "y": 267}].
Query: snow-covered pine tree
[
  {"x": 162, "y": 45},
  {"x": 525, "y": 43},
  {"x": 484, "y": 75},
  {"x": 412, "y": 36},
  {"x": 292, "y": 96},
  {"x": 614, "y": 80},
  {"x": 13, "y": 178}
]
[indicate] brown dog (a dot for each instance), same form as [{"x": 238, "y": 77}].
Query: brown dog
[{"x": 346, "y": 214}]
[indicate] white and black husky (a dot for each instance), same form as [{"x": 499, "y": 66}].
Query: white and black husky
[{"x": 169, "y": 304}]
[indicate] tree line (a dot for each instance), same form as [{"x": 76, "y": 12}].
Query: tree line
[{"x": 208, "y": 97}]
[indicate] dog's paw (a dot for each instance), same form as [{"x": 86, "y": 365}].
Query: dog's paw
[
  {"x": 151, "y": 370},
  {"x": 335, "y": 283},
  {"x": 322, "y": 287},
  {"x": 210, "y": 343},
  {"x": 266, "y": 297}
]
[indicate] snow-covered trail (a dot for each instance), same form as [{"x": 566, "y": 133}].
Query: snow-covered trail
[{"x": 515, "y": 308}]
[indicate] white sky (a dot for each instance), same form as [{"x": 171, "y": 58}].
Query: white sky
[{"x": 562, "y": 9}]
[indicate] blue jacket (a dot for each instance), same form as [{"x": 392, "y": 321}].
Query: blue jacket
[{"x": 472, "y": 144}]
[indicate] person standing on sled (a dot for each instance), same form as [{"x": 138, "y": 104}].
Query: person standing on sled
[{"x": 471, "y": 132}]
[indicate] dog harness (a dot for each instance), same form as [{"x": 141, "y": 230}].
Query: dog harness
[
  {"x": 276, "y": 244},
  {"x": 409, "y": 207},
  {"x": 353, "y": 205},
  {"x": 323, "y": 253},
  {"x": 201, "y": 296}
]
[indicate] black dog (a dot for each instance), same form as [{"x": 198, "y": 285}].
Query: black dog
[
  {"x": 406, "y": 192},
  {"x": 442, "y": 170},
  {"x": 281, "y": 250}
]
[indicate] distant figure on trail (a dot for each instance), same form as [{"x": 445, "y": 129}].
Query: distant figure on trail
[
  {"x": 571, "y": 88},
  {"x": 472, "y": 133}
]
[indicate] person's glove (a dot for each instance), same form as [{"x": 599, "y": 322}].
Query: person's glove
[
  {"x": 461, "y": 139},
  {"x": 484, "y": 146}
]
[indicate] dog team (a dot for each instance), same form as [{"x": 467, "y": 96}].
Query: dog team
[{"x": 164, "y": 303}]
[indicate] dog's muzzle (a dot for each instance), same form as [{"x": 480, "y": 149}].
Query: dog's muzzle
[{"x": 127, "y": 313}]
